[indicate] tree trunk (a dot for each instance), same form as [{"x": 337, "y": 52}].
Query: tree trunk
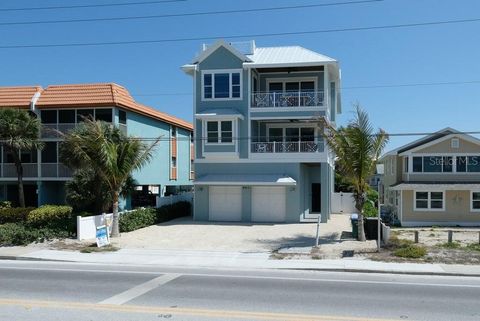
[
  {"x": 19, "y": 167},
  {"x": 115, "y": 225},
  {"x": 361, "y": 227}
]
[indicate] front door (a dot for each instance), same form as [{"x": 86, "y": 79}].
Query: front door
[{"x": 316, "y": 198}]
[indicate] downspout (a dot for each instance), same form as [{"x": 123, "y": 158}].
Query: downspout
[{"x": 34, "y": 110}]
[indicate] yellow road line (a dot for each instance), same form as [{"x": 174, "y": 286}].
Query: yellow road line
[{"x": 180, "y": 311}]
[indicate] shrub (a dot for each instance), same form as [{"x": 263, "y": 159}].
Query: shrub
[
  {"x": 452, "y": 245},
  {"x": 5, "y": 204},
  {"x": 411, "y": 251},
  {"x": 14, "y": 215},
  {"x": 21, "y": 234},
  {"x": 51, "y": 216},
  {"x": 170, "y": 212},
  {"x": 136, "y": 219},
  {"x": 473, "y": 247}
]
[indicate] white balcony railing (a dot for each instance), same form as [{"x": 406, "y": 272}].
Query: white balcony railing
[
  {"x": 287, "y": 147},
  {"x": 287, "y": 99}
]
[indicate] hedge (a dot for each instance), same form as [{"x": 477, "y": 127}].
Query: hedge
[
  {"x": 141, "y": 218},
  {"x": 21, "y": 234},
  {"x": 15, "y": 214},
  {"x": 50, "y": 216}
]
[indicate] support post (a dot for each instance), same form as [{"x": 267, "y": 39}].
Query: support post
[
  {"x": 416, "y": 236},
  {"x": 450, "y": 236},
  {"x": 317, "y": 238}
]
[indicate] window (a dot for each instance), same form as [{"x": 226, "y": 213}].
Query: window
[
  {"x": 48, "y": 116},
  {"x": 475, "y": 205},
  {"x": 83, "y": 114},
  {"x": 122, "y": 117},
  {"x": 473, "y": 164},
  {"x": 429, "y": 201},
  {"x": 447, "y": 164},
  {"x": 222, "y": 85},
  {"x": 461, "y": 164},
  {"x": 292, "y": 86},
  {"x": 432, "y": 164},
  {"x": 405, "y": 164},
  {"x": 219, "y": 132},
  {"x": 66, "y": 116},
  {"x": 49, "y": 153},
  {"x": 417, "y": 164},
  {"x": 104, "y": 115},
  {"x": 455, "y": 143}
]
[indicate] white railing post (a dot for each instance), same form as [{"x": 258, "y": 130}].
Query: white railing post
[
  {"x": 274, "y": 105},
  {"x": 299, "y": 99}
]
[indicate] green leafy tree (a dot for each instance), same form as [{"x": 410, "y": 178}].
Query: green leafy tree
[
  {"x": 357, "y": 148},
  {"x": 19, "y": 131},
  {"x": 85, "y": 192},
  {"x": 107, "y": 151}
]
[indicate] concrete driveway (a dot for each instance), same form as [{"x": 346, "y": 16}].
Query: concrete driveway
[{"x": 186, "y": 234}]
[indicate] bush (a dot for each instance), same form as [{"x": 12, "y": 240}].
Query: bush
[
  {"x": 170, "y": 212},
  {"x": 5, "y": 204},
  {"x": 473, "y": 247},
  {"x": 14, "y": 215},
  {"x": 411, "y": 251},
  {"x": 136, "y": 219},
  {"x": 21, "y": 234},
  {"x": 452, "y": 245},
  {"x": 51, "y": 216}
]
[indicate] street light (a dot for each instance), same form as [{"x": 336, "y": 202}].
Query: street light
[{"x": 380, "y": 171}]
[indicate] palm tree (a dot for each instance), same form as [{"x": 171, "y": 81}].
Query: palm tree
[
  {"x": 19, "y": 131},
  {"x": 357, "y": 149},
  {"x": 109, "y": 153}
]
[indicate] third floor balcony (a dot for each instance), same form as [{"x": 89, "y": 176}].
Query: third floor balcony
[{"x": 287, "y": 99}]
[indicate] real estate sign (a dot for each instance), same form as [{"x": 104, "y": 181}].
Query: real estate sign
[{"x": 102, "y": 236}]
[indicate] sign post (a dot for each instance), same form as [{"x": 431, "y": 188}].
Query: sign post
[{"x": 317, "y": 238}]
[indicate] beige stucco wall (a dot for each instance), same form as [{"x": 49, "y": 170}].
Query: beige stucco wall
[
  {"x": 446, "y": 147},
  {"x": 457, "y": 209}
]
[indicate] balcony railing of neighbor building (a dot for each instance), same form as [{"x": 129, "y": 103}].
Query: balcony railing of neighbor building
[
  {"x": 47, "y": 170},
  {"x": 287, "y": 147},
  {"x": 287, "y": 99}
]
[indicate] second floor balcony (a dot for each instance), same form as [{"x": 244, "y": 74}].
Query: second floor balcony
[
  {"x": 36, "y": 170},
  {"x": 287, "y": 147},
  {"x": 287, "y": 99}
]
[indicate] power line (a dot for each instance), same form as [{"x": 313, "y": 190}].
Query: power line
[
  {"x": 468, "y": 82},
  {"x": 90, "y": 5},
  {"x": 188, "y": 14},
  {"x": 258, "y": 35}
]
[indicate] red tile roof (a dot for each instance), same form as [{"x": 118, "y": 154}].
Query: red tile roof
[
  {"x": 17, "y": 97},
  {"x": 86, "y": 95}
]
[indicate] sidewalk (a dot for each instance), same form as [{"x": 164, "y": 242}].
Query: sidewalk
[{"x": 240, "y": 260}]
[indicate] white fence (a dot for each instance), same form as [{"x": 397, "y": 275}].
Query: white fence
[
  {"x": 343, "y": 203},
  {"x": 87, "y": 226},
  {"x": 172, "y": 199}
]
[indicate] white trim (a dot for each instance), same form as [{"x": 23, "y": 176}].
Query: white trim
[
  {"x": 289, "y": 64},
  {"x": 286, "y": 117},
  {"x": 230, "y": 92},
  {"x": 288, "y": 109},
  {"x": 429, "y": 201},
  {"x": 471, "y": 201},
  {"x": 244, "y": 183},
  {"x": 219, "y": 156},
  {"x": 316, "y": 158},
  {"x": 219, "y": 132}
]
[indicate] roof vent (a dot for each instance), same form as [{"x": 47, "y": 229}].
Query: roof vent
[{"x": 455, "y": 143}]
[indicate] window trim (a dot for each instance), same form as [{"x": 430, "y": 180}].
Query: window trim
[
  {"x": 219, "y": 132},
  {"x": 471, "y": 201},
  {"x": 221, "y": 71},
  {"x": 429, "y": 201}
]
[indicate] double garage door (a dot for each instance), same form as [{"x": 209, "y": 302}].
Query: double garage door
[{"x": 268, "y": 203}]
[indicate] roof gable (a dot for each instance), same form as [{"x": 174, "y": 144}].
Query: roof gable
[{"x": 211, "y": 49}]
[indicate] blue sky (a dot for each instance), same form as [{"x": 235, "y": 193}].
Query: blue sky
[{"x": 445, "y": 53}]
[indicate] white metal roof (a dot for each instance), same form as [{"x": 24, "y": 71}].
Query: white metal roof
[
  {"x": 290, "y": 55},
  {"x": 245, "y": 179}
]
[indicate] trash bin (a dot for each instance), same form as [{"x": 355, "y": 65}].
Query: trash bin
[{"x": 354, "y": 220}]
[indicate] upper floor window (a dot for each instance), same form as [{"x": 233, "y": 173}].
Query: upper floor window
[
  {"x": 48, "y": 116},
  {"x": 104, "y": 115},
  {"x": 468, "y": 164},
  {"x": 432, "y": 164},
  {"x": 219, "y": 132},
  {"x": 122, "y": 117},
  {"x": 222, "y": 84}
]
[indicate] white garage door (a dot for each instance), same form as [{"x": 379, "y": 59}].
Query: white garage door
[
  {"x": 225, "y": 203},
  {"x": 268, "y": 204}
]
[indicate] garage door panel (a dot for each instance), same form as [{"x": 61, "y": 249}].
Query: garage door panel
[
  {"x": 268, "y": 204},
  {"x": 225, "y": 203}
]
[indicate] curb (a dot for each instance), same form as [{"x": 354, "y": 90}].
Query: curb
[
  {"x": 384, "y": 272},
  {"x": 26, "y": 258}
]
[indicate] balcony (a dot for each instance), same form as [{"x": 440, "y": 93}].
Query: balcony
[
  {"x": 52, "y": 130},
  {"x": 286, "y": 147},
  {"x": 287, "y": 99},
  {"x": 30, "y": 170}
]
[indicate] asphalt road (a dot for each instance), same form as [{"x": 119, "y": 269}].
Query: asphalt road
[{"x": 67, "y": 291}]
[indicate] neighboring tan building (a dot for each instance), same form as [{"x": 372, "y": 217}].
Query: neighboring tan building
[
  {"x": 435, "y": 180},
  {"x": 260, "y": 153},
  {"x": 62, "y": 107}
]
